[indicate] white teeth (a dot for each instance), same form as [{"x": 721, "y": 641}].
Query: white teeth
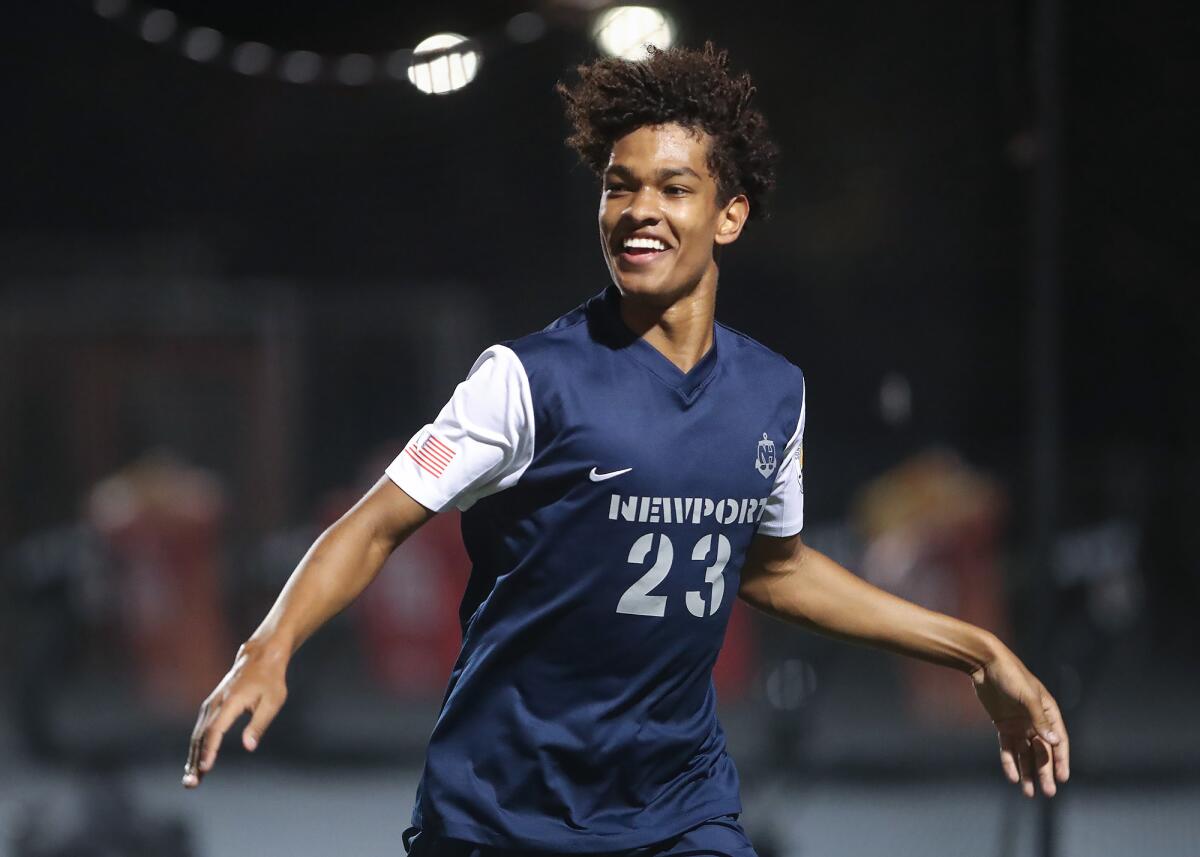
[{"x": 646, "y": 243}]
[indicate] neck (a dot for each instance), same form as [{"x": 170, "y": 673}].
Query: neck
[{"x": 682, "y": 330}]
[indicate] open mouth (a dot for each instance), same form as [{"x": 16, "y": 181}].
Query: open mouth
[
  {"x": 642, "y": 251},
  {"x": 642, "y": 257}
]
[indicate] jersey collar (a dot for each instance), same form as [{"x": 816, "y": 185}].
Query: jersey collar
[{"x": 605, "y": 309}]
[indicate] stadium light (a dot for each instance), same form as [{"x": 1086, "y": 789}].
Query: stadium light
[
  {"x": 624, "y": 31},
  {"x": 447, "y": 70}
]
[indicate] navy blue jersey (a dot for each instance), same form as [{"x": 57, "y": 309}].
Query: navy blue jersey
[{"x": 609, "y": 500}]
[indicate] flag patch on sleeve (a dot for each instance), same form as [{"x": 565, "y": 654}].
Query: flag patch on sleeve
[{"x": 429, "y": 453}]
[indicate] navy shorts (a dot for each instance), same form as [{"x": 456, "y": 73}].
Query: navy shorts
[{"x": 717, "y": 837}]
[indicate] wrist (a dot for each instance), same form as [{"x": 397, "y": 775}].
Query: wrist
[
  {"x": 986, "y": 651},
  {"x": 268, "y": 647}
]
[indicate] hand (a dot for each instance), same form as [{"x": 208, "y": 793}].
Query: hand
[
  {"x": 1033, "y": 737},
  {"x": 255, "y": 683}
]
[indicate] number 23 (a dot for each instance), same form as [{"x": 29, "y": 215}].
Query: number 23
[{"x": 637, "y": 600}]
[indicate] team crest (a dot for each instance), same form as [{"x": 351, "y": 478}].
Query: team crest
[{"x": 764, "y": 461}]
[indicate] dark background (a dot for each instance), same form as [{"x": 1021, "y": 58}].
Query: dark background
[{"x": 278, "y": 281}]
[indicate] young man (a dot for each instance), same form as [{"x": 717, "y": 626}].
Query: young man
[{"x": 622, "y": 474}]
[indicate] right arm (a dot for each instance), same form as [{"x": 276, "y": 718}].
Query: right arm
[
  {"x": 338, "y": 567},
  {"x": 480, "y": 443}
]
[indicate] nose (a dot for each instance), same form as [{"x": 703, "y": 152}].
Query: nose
[{"x": 643, "y": 204}]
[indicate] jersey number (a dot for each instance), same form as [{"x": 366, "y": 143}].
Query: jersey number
[{"x": 637, "y": 600}]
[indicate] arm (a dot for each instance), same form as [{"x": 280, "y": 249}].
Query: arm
[
  {"x": 789, "y": 580},
  {"x": 339, "y": 565}
]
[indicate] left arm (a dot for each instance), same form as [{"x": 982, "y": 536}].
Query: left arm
[{"x": 786, "y": 579}]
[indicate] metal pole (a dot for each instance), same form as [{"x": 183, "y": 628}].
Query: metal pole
[{"x": 1044, "y": 341}]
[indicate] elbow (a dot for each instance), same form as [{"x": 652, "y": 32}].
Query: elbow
[
  {"x": 775, "y": 584},
  {"x": 358, "y": 533}
]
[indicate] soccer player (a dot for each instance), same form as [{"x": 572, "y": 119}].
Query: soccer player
[{"x": 622, "y": 475}]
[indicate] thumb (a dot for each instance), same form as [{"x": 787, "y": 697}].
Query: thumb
[
  {"x": 264, "y": 713},
  {"x": 1040, "y": 715}
]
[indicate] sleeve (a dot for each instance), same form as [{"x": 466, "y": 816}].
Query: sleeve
[
  {"x": 784, "y": 512},
  {"x": 480, "y": 443}
]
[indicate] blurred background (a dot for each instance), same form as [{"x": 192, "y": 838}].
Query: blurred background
[{"x": 247, "y": 249}]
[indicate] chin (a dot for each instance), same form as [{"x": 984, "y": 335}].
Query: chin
[
  {"x": 656, "y": 290},
  {"x": 647, "y": 289}
]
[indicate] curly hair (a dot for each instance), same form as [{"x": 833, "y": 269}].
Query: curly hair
[{"x": 678, "y": 85}]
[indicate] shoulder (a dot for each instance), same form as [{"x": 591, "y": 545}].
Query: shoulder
[
  {"x": 566, "y": 335},
  {"x": 751, "y": 356}
]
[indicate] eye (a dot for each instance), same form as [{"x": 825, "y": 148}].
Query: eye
[
  {"x": 614, "y": 188},
  {"x": 679, "y": 188}
]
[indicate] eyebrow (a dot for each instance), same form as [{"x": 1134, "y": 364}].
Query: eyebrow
[{"x": 663, "y": 174}]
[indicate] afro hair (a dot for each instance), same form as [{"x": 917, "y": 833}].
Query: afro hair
[{"x": 687, "y": 87}]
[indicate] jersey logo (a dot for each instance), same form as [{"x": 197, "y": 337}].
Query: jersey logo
[
  {"x": 764, "y": 460},
  {"x": 600, "y": 477}
]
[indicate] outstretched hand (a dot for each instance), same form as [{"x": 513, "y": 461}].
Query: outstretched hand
[
  {"x": 254, "y": 683},
  {"x": 1033, "y": 737}
]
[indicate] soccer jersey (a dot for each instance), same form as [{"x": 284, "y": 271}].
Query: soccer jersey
[{"x": 608, "y": 501}]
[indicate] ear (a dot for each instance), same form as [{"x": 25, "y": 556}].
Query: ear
[{"x": 731, "y": 220}]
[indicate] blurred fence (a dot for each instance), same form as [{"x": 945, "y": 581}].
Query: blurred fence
[{"x": 169, "y": 459}]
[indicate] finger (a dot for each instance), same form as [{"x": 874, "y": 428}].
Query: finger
[
  {"x": 230, "y": 711},
  {"x": 1062, "y": 761},
  {"x": 1025, "y": 761},
  {"x": 191, "y": 771},
  {"x": 1008, "y": 761},
  {"x": 1061, "y": 750},
  {"x": 1045, "y": 766},
  {"x": 264, "y": 713},
  {"x": 1043, "y": 713}
]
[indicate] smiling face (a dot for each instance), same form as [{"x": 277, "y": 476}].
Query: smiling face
[{"x": 660, "y": 217}]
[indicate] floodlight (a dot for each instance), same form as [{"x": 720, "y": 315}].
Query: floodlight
[
  {"x": 624, "y": 31},
  {"x": 443, "y": 69}
]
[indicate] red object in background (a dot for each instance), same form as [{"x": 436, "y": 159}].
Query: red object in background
[
  {"x": 408, "y": 617},
  {"x": 934, "y": 526},
  {"x": 162, "y": 520},
  {"x": 734, "y": 669}
]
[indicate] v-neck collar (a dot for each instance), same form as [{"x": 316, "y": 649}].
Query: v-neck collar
[{"x": 687, "y": 385}]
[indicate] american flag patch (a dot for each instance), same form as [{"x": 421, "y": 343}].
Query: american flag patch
[{"x": 430, "y": 453}]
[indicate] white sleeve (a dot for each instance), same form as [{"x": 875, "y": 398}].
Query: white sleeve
[
  {"x": 480, "y": 443},
  {"x": 784, "y": 512}
]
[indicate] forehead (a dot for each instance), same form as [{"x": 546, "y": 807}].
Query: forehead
[{"x": 654, "y": 147}]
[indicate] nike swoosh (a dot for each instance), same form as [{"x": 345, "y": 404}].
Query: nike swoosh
[{"x": 600, "y": 477}]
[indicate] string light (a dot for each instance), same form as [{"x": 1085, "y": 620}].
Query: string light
[
  {"x": 355, "y": 69},
  {"x": 300, "y": 66},
  {"x": 111, "y": 8},
  {"x": 525, "y": 27},
  {"x": 202, "y": 44},
  {"x": 158, "y": 25},
  {"x": 440, "y": 64},
  {"x": 251, "y": 58}
]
